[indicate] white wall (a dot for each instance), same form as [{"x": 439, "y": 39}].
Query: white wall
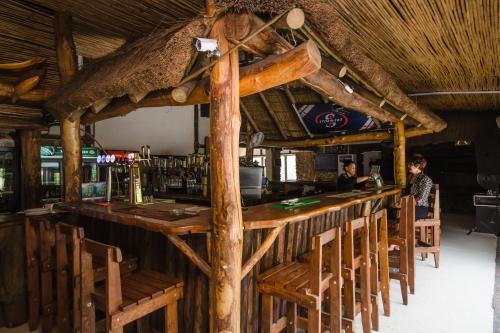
[{"x": 168, "y": 130}]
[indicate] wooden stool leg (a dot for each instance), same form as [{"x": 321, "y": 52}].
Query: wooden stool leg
[
  {"x": 267, "y": 313},
  {"x": 117, "y": 330},
  {"x": 365, "y": 281},
  {"x": 436, "y": 242},
  {"x": 291, "y": 314},
  {"x": 314, "y": 320},
  {"x": 384, "y": 267},
  {"x": 171, "y": 324},
  {"x": 336, "y": 285},
  {"x": 374, "y": 269},
  {"x": 349, "y": 297}
]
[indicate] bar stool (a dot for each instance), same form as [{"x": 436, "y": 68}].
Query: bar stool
[
  {"x": 303, "y": 284},
  {"x": 402, "y": 260},
  {"x": 356, "y": 258},
  {"x": 379, "y": 273},
  {"x": 124, "y": 299},
  {"x": 430, "y": 229},
  {"x": 68, "y": 239}
]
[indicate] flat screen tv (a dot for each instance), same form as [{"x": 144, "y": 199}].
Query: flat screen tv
[{"x": 325, "y": 162}]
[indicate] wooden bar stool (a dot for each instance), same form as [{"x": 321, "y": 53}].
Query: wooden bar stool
[
  {"x": 124, "y": 299},
  {"x": 303, "y": 284},
  {"x": 356, "y": 258},
  {"x": 429, "y": 239},
  {"x": 379, "y": 273},
  {"x": 68, "y": 239},
  {"x": 402, "y": 258}
]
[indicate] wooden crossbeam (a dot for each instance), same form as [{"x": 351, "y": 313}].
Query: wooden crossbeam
[{"x": 273, "y": 71}]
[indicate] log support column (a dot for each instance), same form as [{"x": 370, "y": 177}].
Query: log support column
[
  {"x": 70, "y": 126},
  {"x": 31, "y": 185},
  {"x": 400, "y": 154},
  {"x": 225, "y": 121}
]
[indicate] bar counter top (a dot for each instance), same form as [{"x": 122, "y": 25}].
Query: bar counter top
[{"x": 172, "y": 218}]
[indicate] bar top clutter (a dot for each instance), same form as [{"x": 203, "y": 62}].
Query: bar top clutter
[{"x": 178, "y": 219}]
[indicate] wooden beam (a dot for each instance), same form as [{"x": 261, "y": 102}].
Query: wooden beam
[
  {"x": 20, "y": 123},
  {"x": 268, "y": 42},
  {"x": 271, "y": 72},
  {"x": 225, "y": 121},
  {"x": 22, "y": 65},
  {"x": 271, "y": 113},
  {"x": 294, "y": 20},
  {"x": 249, "y": 116},
  {"x": 400, "y": 154},
  {"x": 293, "y": 102},
  {"x": 30, "y": 168},
  {"x": 264, "y": 247},
  {"x": 99, "y": 105},
  {"x": 70, "y": 130},
  {"x": 137, "y": 96},
  {"x": 66, "y": 59},
  {"x": 375, "y": 136},
  {"x": 189, "y": 252}
]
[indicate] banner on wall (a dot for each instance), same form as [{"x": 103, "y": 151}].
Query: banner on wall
[{"x": 328, "y": 118}]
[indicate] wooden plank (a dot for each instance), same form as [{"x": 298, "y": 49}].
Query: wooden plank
[
  {"x": 189, "y": 252},
  {"x": 261, "y": 251}
]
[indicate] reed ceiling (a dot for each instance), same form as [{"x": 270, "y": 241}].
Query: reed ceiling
[
  {"x": 429, "y": 45},
  {"x": 101, "y": 26}
]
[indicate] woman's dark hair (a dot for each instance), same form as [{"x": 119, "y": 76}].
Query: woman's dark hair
[
  {"x": 418, "y": 161},
  {"x": 348, "y": 163}
]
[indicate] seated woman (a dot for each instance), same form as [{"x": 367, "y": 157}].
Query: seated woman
[
  {"x": 348, "y": 180},
  {"x": 419, "y": 185}
]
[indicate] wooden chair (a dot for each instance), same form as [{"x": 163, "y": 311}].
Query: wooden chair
[
  {"x": 124, "y": 299},
  {"x": 304, "y": 284},
  {"x": 429, "y": 239},
  {"x": 379, "y": 274},
  {"x": 356, "y": 258},
  {"x": 402, "y": 260},
  {"x": 68, "y": 239}
]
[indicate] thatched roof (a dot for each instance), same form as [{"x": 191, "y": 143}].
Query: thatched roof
[
  {"x": 389, "y": 48},
  {"x": 157, "y": 61}
]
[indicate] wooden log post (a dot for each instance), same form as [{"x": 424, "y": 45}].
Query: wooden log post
[
  {"x": 70, "y": 129},
  {"x": 225, "y": 124},
  {"x": 399, "y": 154},
  {"x": 31, "y": 184}
]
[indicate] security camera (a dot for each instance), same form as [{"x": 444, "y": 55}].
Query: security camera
[{"x": 205, "y": 44}]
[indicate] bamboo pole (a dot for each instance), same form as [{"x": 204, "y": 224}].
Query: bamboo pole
[
  {"x": 70, "y": 130},
  {"x": 30, "y": 168},
  {"x": 225, "y": 121},
  {"x": 400, "y": 154}
]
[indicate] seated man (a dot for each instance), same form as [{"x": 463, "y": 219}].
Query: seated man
[{"x": 348, "y": 180}]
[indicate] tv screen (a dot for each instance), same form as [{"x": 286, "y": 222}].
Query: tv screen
[{"x": 325, "y": 162}]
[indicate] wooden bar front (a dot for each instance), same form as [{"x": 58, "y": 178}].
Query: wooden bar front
[{"x": 278, "y": 235}]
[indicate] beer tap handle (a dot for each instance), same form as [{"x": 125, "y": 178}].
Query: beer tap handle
[
  {"x": 149, "y": 154},
  {"x": 143, "y": 153}
]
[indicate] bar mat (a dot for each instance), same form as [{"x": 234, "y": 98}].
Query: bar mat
[{"x": 298, "y": 204}]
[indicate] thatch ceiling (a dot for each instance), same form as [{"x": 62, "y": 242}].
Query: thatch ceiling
[
  {"x": 424, "y": 45},
  {"x": 101, "y": 26},
  {"x": 447, "y": 45}
]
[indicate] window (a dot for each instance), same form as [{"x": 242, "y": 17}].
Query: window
[{"x": 288, "y": 167}]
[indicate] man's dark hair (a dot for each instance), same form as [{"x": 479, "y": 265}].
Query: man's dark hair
[
  {"x": 348, "y": 163},
  {"x": 418, "y": 161}
]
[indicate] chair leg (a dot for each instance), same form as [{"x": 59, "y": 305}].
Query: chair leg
[
  {"x": 313, "y": 320},
  {"x": 291, "y": 314},
  {"x": 171, "y": 325},
  {"x": 267, "y": 313},
  {"x": 374, "y": 313},
  {"x": 436, "y": 259},
  {"x": 117, "y": 330},
  {"x": 404, "y": 290}
]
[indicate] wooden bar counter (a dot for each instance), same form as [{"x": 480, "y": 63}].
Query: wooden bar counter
[{"x": 271, "y": 236}]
